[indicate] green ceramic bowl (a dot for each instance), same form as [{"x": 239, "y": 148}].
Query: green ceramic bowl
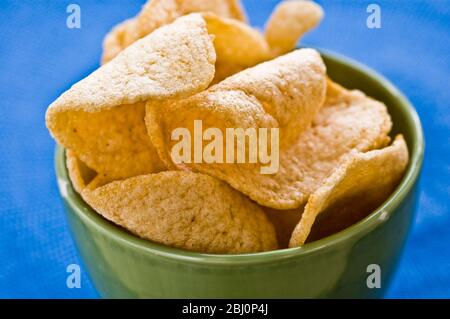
[{"x": 124, "y": 266}]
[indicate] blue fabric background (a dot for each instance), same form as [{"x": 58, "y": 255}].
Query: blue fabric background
[{"x": 40, "y": 57}]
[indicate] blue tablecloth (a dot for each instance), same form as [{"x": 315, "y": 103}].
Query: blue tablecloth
[{"x": 40, "y": 57}]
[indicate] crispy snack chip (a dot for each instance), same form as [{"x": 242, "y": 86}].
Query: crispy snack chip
[
  {"x": 238, "y": 46},
  {"x": 157, "y": 13},
  {"x": 185, "y": 210},
  {"x": 349, "y": 121},
  {"x": 83, "y": 177},
  {"x": 289, "y": 21},
  {"x": 352, "y": 192},
  {"x": 235, "y": 41},
  {"x": 120, "y": 37},
  {"x": 101, "y": 118},
  {"x": 79, "y": 173},
  {"x": 284, "y": 93}
]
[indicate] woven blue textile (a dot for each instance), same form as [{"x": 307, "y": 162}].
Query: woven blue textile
[{"x": 40, "y": 57}]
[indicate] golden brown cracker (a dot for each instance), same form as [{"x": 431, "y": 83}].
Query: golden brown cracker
[
  {"x": 185, "y": 210},
  {"x": 349, "y": 122},
  {"x": 238, "y": 46},
  {"x": 101, "y": 118},
  {"x": 157, "y": 13},
  {"x": 291, "y": 89},
  {"x": 352, "y": 123},
  {"x": 284, "y": 93},
  {"x": 114, "y": 141},
  {"x": 352, "y": 192},
  {"x": 117, "y": 40},
  {"x": 79, "y": 173},
  {"x": 289, "y": 22}
]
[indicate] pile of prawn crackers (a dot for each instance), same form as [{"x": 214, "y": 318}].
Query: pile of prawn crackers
[{"x": 180, "y": 61}]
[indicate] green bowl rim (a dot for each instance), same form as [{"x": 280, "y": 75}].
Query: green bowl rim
[{"x": 384, "y": 212}]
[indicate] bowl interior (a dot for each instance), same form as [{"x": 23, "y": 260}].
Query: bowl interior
[{"x": 342, "y": 70}]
